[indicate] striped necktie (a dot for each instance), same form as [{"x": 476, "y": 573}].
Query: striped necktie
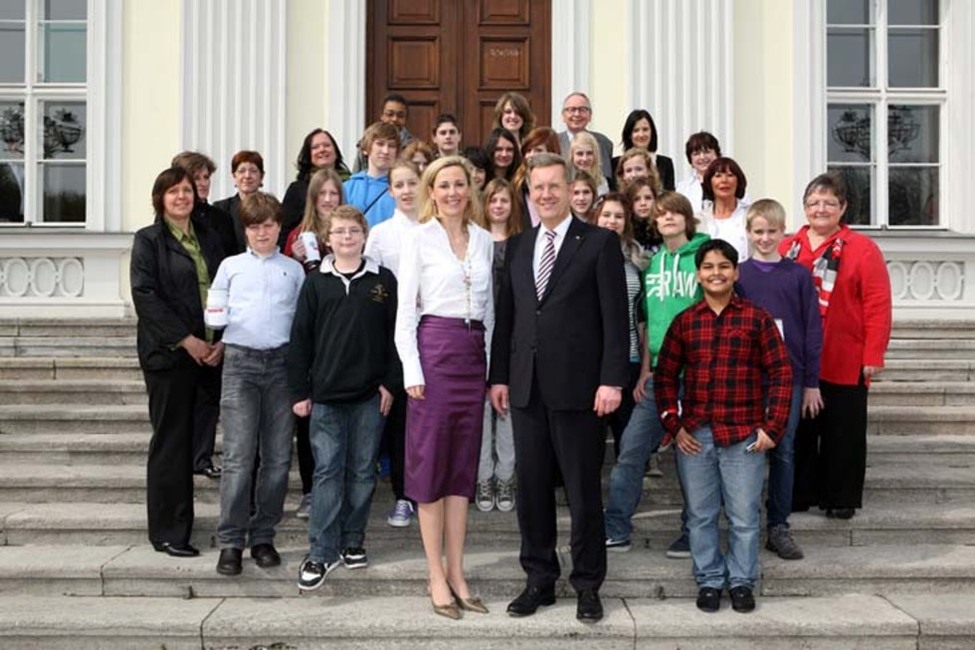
[{"x": 545, "y": 264}]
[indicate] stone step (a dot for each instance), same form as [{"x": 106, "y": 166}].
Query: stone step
[
  {"x": 68, "y": 346},
  {"x": 76, "y": 448},
  {"x": 924, "y": 348},
  {"x": 926, "y": 394},
  {"x": 72, "y": 391},
  {"x": 882, "y": 521},
  {"x": 911, "y": 420},
  {"x": 946, "y": 448},
  {"x": 84, "y": 368},
  {"x": 926, "y": 370},
  {"x": 66, "y": 327},
  {"x": 400, "y": 570},
  {"x": 933, "y": 329},
  {"x": 848, "y": 621},
  {"x": 883, "y": 420}
]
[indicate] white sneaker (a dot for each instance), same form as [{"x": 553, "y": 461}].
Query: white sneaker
[
  {"x": 484, "y": 497},
  {"x": 506, "y": 495}
]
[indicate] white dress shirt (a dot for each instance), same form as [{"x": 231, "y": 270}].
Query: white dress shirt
[
  {"x": 560, "y": 232},
  {"x": 386, "y": 239},
  {"x": 260, "y": 295},
  {"x": 434, "y": 282}
]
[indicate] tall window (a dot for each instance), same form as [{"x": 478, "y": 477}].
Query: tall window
[
  {"x": 885, "y": 96},
  {"x": 43, "y": 111}
]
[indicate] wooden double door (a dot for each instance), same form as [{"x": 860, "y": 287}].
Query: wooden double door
[{"x": 458, "y": 56}]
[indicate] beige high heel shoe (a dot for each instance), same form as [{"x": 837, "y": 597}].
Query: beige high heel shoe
[{"x": 472, "y": 604}]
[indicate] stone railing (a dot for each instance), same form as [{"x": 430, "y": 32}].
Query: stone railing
[
  {"x": 932, "y": 276},
  {"x": 54, "y": 273}
]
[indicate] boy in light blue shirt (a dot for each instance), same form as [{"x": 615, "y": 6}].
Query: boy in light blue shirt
[{"x": 254, "y": 297}]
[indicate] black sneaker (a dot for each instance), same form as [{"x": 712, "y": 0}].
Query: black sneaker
[
  {"x": 709, "y": 599},
  {"x": 354, "y": 557},
  {"x": 312, "y": 574},
  {"x": 742, "y": 599}
]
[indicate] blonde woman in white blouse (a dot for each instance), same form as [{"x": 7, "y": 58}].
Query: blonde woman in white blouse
[{"x": 446, "y": 311}]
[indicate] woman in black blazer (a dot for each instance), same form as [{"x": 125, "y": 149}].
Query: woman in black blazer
[
  {"x": 247, "y": 169},
  {"x": 173, "y": 261},
  {"x": 639, "y": 130}
]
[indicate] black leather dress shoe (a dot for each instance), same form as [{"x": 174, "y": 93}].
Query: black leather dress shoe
[
  {"x": 528, "y": 601},
  {"x": 175, "y": 550},
  {"x": 589, "y": 609},
  {"x": 265, "y": 555},
  {"x": 840, "y": 513},
  {"x": 229, "y": 563},
  {"x": 211, "y": 472},
  {"x": 709, "y": 599}
]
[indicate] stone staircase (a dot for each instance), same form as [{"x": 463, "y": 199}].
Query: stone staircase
[{"x": 76, "y": 569}]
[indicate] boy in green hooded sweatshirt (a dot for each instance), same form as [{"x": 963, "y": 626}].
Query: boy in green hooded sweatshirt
[{"x": 670, "y": 284}]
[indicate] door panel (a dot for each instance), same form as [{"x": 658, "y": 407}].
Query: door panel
[{"x": 458, "y": 56}]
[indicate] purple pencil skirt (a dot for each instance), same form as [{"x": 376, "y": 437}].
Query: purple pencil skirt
[{"x": 443, "y": 430}]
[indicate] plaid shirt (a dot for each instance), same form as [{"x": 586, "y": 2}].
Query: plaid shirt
[{"x": 724, "y": 358}]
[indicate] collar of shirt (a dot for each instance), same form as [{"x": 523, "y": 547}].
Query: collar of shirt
[
  {"x": 179, "y": 233},
  {"x": 254, "y": 253},
  {"x": 328, "y": 267},
  {"x": 560, "y": 231},
  {"x": 702, "y": 304}
]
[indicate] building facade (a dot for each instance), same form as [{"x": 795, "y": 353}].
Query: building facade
[{"x": 96, "y": 96}]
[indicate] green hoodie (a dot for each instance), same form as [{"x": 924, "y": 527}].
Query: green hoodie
[{"x": 670, "y": 283}]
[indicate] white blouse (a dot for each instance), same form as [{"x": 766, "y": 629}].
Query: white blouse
[
  {"x": 433, "y": 281},
  {"x": 731, "y": 229},
  {"x": 386, "y": 238}
]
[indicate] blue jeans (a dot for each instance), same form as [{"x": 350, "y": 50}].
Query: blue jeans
[
  {"x": 640, "y": 437},
  {"x": 255, "y": 409},
  {"x": 735, "y": 476},
  {"x": 345, "y": 443},
  {"x": 781, "y": 468}
]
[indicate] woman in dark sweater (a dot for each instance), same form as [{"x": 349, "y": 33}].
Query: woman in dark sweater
[{"x": 318, "y": 151}]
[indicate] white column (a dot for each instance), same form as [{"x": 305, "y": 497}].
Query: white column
[
  {"x": 234, "y": 86},
  {"x": 682, "y": 69}
]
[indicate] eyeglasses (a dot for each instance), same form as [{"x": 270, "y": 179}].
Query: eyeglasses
[
  {"x": 342, "y": 232},
  {"x": 572, "y": 110},
  {"x": 832, "y": 204}
]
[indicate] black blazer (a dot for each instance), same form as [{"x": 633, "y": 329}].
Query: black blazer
[
  {"x": 576, "y": 337},
  {"x": 165, "y": 291},
  {"x": 293, "y": 207},
  {"x": 221, "y": 223},
  {"x": 231, "y": 206}
]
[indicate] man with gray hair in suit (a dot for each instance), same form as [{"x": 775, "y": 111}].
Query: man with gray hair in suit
[{"x": 576, "y": 114}]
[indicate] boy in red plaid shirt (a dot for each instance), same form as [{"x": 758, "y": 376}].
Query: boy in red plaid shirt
[{"x": 723, "y": 346}]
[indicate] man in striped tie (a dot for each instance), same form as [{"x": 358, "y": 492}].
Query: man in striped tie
[{"x": 559, "y": 360}]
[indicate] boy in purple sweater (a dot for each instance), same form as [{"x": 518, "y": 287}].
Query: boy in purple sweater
[{"x": 786, "y": 290}]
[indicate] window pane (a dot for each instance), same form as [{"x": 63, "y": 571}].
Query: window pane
[
  {"x": 859, "y": 183},
  {"x": 64, "y": 192},
  {"x": 65, "y": 9},
  {"x": 12, "y": 130},
  {"x": 912, "y": 12},
  {"x": 63, "y": 52},
  {"x": 848, "y": 57},
  {"x": 913, "y": 58},
  {"x": 11, "y": 193},
  {"x": 913, "y": 133},
  {"x": 850, "y": 133},
  {"x": 12, "y": 10},
  {"x": 913, "y": 196},
  {"x": 12, "y": 53},
  {"x": 848, "y": 12},
  {"x": 64, "y": 126}
]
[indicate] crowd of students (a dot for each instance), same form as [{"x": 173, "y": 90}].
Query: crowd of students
[{"x": 358, "y": 315}]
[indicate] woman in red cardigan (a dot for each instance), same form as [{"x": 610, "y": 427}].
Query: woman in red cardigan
[{"x": 855, "y": 303}]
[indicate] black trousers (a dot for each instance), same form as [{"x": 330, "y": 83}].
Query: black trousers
[
  {"x": 205, "y": 416},
  {"x": 306, "y": 462},
  {"x": 394, "y": 443},
  {"x": 619, "y": 418},
  {"x": 831, "y": 450},
  {"x": 173, "y": 402},
  {"x": 548, "y": 443}
]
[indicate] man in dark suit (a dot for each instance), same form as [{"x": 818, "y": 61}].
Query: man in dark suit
[
  {"x": 559, "y": 357},
  {"x": 577, "y": 114}
]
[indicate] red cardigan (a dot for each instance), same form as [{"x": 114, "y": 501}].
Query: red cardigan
[{"x": 856, "y": 329}]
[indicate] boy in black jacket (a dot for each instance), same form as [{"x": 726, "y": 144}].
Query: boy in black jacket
[{"x": 343, "y": 370}]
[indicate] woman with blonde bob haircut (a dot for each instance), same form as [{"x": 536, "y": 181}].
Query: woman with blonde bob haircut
[{"x": 443, "y": 326}]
